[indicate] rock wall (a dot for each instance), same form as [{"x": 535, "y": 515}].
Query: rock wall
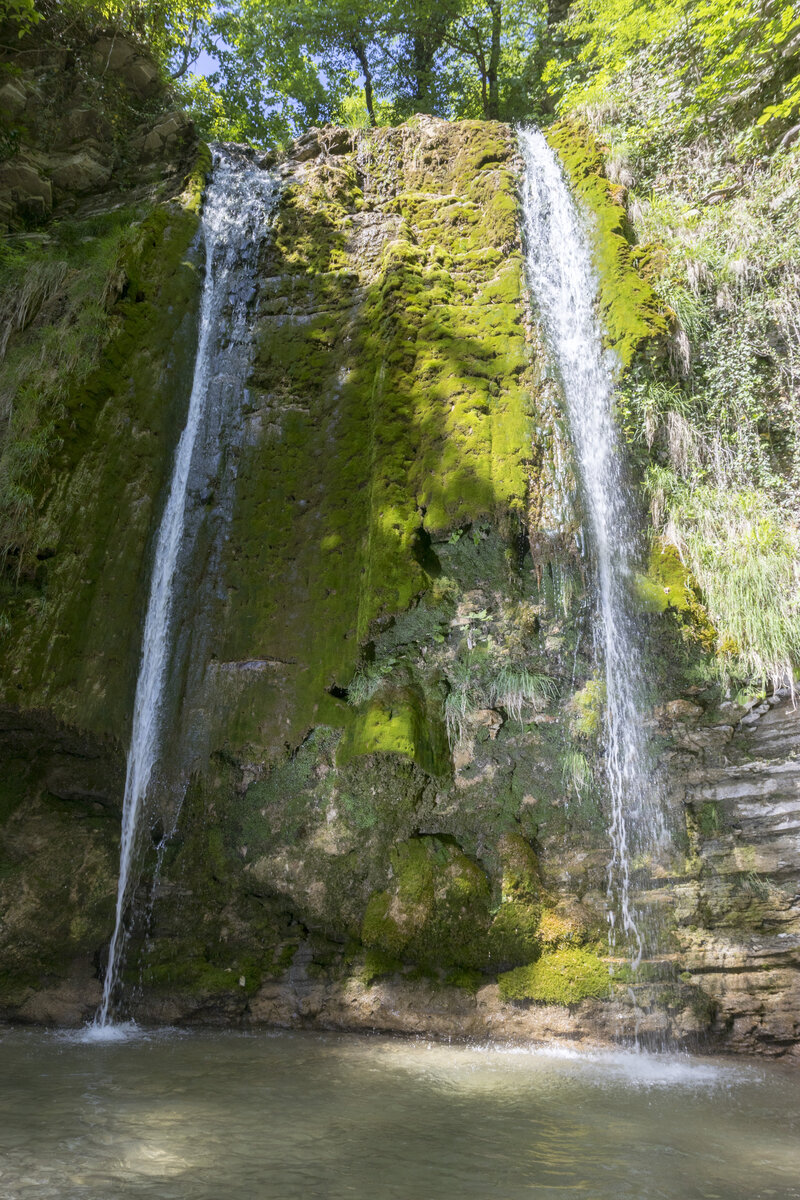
[
  {"x": 394, "y": 815},
  {"x": 738, "y": 913}
]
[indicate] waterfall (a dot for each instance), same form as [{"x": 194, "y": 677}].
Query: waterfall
[
  {"x": 564, "y": 287},
  {"x": 237, "y": 205}
]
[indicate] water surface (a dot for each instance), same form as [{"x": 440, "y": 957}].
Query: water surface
[{"x": 287, "y": 1116}]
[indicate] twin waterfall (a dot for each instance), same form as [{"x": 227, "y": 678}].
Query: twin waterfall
[
  {"x": 237, "y": 204},
  {"x": 564, "y": 287},
  {"x": 563, "y": 283}
]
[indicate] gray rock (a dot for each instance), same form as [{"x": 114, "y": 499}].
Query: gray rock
[
  {"x": 23, "y": 190},
  {"x": 79, "y": 173},
  {"x": 12, "y": 99}
]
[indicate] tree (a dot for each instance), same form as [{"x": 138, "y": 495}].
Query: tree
[
  {"x": 476, "y": 32},
  {"x": 719, "y": 58},
  {"x": 285, "y": 64}
]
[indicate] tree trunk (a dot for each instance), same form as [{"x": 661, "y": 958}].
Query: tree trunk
[
  {"x": 422, "y": 67},
  {"x": 492, "y": 109},
  {"x": 360, "y": 52},
  {"x": 557, "y": 11}
]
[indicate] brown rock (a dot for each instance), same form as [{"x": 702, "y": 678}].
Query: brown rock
[{"x": 679, "y": 710}]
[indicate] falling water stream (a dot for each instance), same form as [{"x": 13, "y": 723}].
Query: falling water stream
[
  {"x": 564, "y": 286},
  {"x": 237, "y": 205}
]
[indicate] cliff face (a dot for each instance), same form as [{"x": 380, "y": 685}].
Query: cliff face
[{"x": 394, "y": 814}]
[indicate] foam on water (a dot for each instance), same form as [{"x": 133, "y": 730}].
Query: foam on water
[{"x": 102, "y": 1035}]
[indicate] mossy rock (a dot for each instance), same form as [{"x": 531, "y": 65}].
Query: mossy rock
[
  {"x": 588, "y": 709},
  {"x": 629, "y": 307},
  {"x": 668, "y": 586},
  {"x": 514, "y": 933},
  {"x": 398, "y": 721},
  {"x": 436, "y": 911},
  {"x": 564, "y": 976}
]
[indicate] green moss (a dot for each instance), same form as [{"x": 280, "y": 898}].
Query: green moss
[
  {"x": 560, "y": 928},
  {"x": 563, "y": 976},
  {"x": 520, "y": 869},
  {"x": 195, "y": 185},
  {"x": 397, "y": 411},
  {"x": 197, "y": 974},
  {"x": 588, "y": 707},
  {"x": 397, "y": 722},
  {"x": 468, "y": 981},
  {"x": 668, "y": 585},
  {"x": 379, "y": 930},
  {"x": 514, "y": 933},
  {"x": 629, "y": 307},
  {"x": 96, "y": 497},
  {"x": 377, "y": 964},
  {"x": 436, "y": 912}
]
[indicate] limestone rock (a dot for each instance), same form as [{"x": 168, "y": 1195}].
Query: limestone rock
[
  {"x": 12, "y": 98},
  {"x": 85, "y": 124},
  {"x": 679, "y": 710},
  {"x": 169, "y": 134},
  {"x": 79, "y": 173},
  {"x": 117, "y": 54},
  {"x": 22, "y": 187}
]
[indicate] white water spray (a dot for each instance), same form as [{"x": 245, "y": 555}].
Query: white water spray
[
  {"x": 237, "y": 205},
  {"x": 564, "y": 286}
]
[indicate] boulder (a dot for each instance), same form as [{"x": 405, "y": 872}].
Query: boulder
[
  {"x": 306, "y": 147},
  {"x": 166, "y": 136},
  {"x": 142, "y": 77},
  {"x": 122, "y": 58},
  {"x": 22, "y": 187},
  {"x": 78, "y": 173},
  {"x": 113, "y": 52},
  {"x": 12, "y": 99},
  {"x": 83, "y": 124}
]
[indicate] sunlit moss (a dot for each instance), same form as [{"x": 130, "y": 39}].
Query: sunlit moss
[
  {"x": 563, "y": 976},
  {"x": 629, "y": 307}
]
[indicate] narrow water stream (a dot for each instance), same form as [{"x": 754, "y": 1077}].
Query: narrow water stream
[
  {"x": 564, "y": 287},
  {"x": 237, "y": 203},
  {"x": 293, "y": 1116}
]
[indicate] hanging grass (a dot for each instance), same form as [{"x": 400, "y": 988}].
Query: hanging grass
[
  {"x": 746, "y": 560},
  {"x": 513, "y": 688}
]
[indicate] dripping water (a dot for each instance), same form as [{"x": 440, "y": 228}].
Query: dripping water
[
  {"x": 237, "y": 205},
  {"x": 564, "y": 286}
]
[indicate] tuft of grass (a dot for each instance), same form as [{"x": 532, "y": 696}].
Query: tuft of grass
[
  {"x": 745, "y": 558},
  {"x": 513, "y": 688},
  {"x": 368, "y": 680},
  {"x": 487, "y": 681},
  {"x": 576, "y": 773},
  {"x": 21, "y": 304}
]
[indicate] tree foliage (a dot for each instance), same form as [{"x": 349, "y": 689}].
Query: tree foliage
[
  {"x": 714, "y": 59},
  {"x": 285, "y": 64}
]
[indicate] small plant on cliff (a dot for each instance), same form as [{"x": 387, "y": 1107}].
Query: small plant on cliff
[
  {"x": 464, "y": 697},
  {"x": 515, "y": 687},
  {"x": 588, "y": 706},
  {"x": 368, "y": 679},
  {"x": 576, "y": 773},
  {"x": 745, "y": 558}
]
